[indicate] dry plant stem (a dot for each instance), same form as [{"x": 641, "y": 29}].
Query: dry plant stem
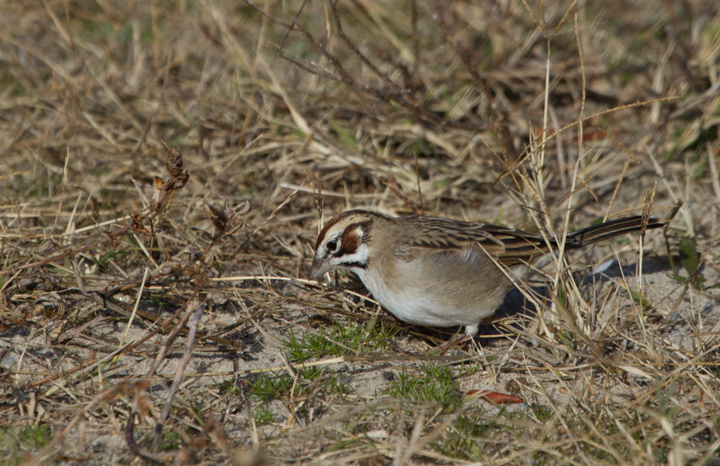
[
  {"x": 170, "y": 338},
  {"x": 539, "y": 165},
  {"x": 620, "y": 145},
  {"x": 268, "y": 338},
  {"x": 479, "y": 81},
  {"x": 78, "y": 278},
  {"x": 135, "y": 448},
  {"x": 713, "y": 170},
  {"x": 393, "y": 95},
  {"x": 356, "y": 51},
  {"x": 62, "y": 190},
  {"x": 317, "y": 195},
  {"x": 391, "y": 184},
  {"x": 647, "y": 205},
  {"x": 417, "y": 177},
  {"x": 290, "y": 28},
  {"x": 566, "y": 224},
  {"x": 617, "y": 188},
  {"x": 38, "y": 459},
  {"x": 97, "y": 361},
  {"x": 588, "y": 120},
  {"x": 151, "y": 123},
  {"x": 416, "y": 42},
  {"x": 179, "y": 374},
  {"x": 106, "y": 300},
  {"x": 90, "y": 365},
  {"x": 615, "y": 109},
  {"x": 92, "y": 245},
  {"x": 178, "y": 179},
  {"x": 502, "y": 134},
  {"x": 134, "y": 312},
  {"x": 130, "y": 426},
  {"x": 344, "y": 75}
]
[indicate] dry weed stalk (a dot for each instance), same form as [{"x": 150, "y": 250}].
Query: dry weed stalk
[
  {"x": 225, "y": 224},
  {"x": 389, "y": 89},
  {"x": 163, "y": 193}
]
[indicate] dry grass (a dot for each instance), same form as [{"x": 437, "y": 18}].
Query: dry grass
[{"x": 168, "y": 319}]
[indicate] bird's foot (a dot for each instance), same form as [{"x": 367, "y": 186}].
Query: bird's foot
[{"x": 456, "y": 339}]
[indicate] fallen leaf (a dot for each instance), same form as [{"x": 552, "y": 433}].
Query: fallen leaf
[{"x": 495, "y": 397}]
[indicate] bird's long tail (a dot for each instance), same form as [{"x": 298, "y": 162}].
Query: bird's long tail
[{"x": 611, "y": 229}]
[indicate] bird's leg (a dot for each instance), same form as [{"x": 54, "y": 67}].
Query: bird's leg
[{"x": 456, "y": 338}]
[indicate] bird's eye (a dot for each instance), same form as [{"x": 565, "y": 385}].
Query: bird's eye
[{"x": 332, "y": 245}]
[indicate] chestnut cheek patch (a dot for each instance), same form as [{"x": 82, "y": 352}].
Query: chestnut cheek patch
[{"x": 350, "y": 242}]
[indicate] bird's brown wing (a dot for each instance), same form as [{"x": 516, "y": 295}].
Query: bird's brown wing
[{"x": 510, "y": 247}]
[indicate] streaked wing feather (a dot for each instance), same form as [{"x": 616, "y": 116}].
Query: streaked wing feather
[{"x": 508, "y": 246}]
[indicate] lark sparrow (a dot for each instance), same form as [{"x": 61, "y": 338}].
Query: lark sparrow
[{"x": 440, "y": 272}]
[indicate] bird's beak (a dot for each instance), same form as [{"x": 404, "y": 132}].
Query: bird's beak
[{"x": 318, "y": 268}]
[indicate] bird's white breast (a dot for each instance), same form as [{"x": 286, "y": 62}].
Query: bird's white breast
[{"x": 422, "y": 292}]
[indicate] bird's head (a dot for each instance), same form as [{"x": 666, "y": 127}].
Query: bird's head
[{"x": 344, "y": 244}]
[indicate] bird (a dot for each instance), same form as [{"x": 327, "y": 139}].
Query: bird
[{"x": 440, "y": 272}]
